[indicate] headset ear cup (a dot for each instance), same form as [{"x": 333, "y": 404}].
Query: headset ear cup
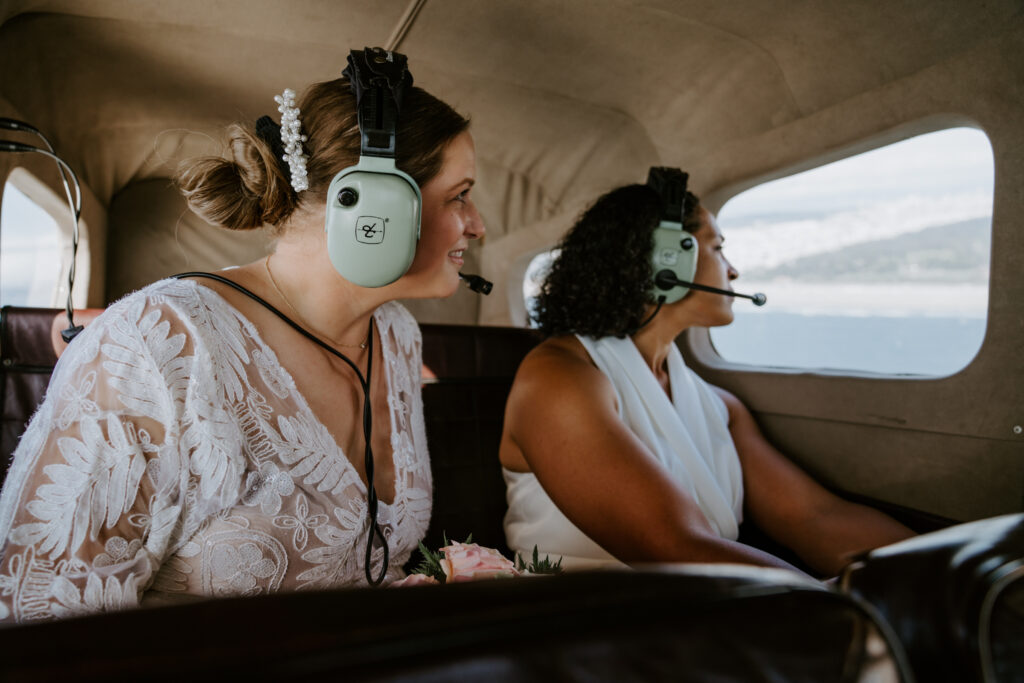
[
  {"x": 688, "y": 261},
  {"x": 373, "y": 209},
  {"x": 372, "y": 222},
  {"x": 675, "y": 250}
]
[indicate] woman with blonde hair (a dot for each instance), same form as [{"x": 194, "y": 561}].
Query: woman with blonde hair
[{"x": 260, "y": 430}]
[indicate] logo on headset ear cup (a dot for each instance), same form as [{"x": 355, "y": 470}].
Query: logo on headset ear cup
[
  {"x": 676, "y": 250},
  {"x": 372, "y": 222},
  {"x": 370, "y": 229}
]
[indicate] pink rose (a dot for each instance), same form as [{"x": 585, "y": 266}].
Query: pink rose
[
  {"x": 415, "y": 580},
  {"x": 468, "y": 561}
]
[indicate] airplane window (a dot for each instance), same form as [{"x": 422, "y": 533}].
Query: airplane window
[
  {"x": 534, "y": 278},
  {"x": 31, "y": 247},
  {"x": 878, "y": 262}
]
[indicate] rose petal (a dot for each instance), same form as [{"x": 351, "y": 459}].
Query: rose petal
[
  {"x": 416, "y": 580},
  {"x": 466, "y": 561}
]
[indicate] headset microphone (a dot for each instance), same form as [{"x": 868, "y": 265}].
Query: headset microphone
[
  {"x": 666, "y": 280},
  {"x": 477, "y": 283}
]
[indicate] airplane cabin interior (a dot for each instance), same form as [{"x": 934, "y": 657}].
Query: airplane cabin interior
[{"x": 567, "y": 100}]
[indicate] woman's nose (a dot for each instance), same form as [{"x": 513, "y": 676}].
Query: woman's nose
[
  {"x": 475, "y": 225},
  {"x": 733, "y": 273}
]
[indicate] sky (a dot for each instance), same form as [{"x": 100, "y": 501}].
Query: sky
[
  {"x": 952, "y": 161},
  {"x": 28, "y": 240},
  {"x": 930, "y": 180}
]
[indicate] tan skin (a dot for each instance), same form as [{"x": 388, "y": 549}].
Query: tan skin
[
  {"x": 339, "y": 312},
  {"x": 562, "y": 423}
]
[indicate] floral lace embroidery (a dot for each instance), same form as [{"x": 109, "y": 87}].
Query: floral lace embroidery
[
  {"x": 302, "y": 522},
  {"x": 174, "y": 454},
  {"x": 243, "y": 562},
  {"x": 266, "y": 487},
  {"x": 118, "y": 550}
]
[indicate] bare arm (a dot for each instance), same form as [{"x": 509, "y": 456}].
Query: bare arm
[
  {"x": 792, "y": 508},
  {"x": 562, "y": 418}
]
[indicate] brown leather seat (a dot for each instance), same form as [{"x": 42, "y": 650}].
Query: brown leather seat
[
  {"x": 464, "y": 408},
  {"x": 26, "y": 361}
]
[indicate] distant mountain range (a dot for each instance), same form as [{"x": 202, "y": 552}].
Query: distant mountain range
[{"x": 956, "y": 252}]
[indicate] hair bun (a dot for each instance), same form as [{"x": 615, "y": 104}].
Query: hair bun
[{"x": 242, "y": 194}]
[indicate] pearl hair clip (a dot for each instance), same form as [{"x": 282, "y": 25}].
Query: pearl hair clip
[{"x": 292, "y": 137}]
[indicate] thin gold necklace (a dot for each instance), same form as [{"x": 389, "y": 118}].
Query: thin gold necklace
[{"x": 273, "y": 282}]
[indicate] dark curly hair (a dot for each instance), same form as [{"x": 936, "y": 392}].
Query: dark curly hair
[{"x": 599, "y": 284}]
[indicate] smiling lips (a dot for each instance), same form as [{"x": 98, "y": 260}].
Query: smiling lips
[{"x": 456, "y": 256}]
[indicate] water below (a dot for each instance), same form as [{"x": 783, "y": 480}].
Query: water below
[{"x": 917, "y": 345}]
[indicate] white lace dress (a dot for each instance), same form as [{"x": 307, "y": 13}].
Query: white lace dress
[{"x": 173, "y": 457}]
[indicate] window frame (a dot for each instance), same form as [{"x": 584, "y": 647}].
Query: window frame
[
  {"x": 56, "y": 206},
  {"x": 696, "y": 342}
]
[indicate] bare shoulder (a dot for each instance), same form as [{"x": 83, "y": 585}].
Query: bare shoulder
[
  {"x": 733, "y": 405},
  {"x": 557, "y": 393},
  {"x": 561, "y": 367},
  {"x": 554, "y": 353}
]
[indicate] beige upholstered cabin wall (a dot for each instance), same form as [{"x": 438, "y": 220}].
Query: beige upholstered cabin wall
[
  {"x": 143, "y": 249},
  {"x": 506, "y": 262},
  {"x": 945, "y": 445},
  {"x": 127, "y": 121}
]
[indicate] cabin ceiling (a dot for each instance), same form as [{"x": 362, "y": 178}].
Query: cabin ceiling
[{"x": 567, "y": 98}]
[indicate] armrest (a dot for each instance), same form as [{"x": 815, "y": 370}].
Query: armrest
[
  {"x": 955, "y": 598},
  {"x": 677, "y": 623}
]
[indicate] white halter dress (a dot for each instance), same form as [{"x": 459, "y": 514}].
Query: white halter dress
[{"x": 688, "y": 434}]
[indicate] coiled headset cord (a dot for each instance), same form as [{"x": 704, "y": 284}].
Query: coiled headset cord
[{"x": 371, "y": 491}]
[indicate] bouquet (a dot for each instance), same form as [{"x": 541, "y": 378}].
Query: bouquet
[{"x": 457, "y": 562}]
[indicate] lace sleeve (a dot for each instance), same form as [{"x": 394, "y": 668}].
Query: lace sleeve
[{"x": 96, "y": 486}]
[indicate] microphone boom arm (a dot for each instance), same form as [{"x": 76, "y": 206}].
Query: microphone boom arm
[
  {"x": 666, "y": 279},
  {"x": 477, "y": 283}
]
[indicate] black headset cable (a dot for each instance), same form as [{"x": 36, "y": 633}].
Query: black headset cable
[
  {"x": 74, "y": 202},
  {"x": 371, "y": 490},
  {"x": 661, "y": 301}
]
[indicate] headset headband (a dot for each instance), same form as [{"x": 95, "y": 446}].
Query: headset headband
[
  {"x": 378, "y": 78},
  {"x": 670, "y": 184}
]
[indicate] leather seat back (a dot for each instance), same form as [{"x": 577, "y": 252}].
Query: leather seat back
[{"x": 26, "y": 362}]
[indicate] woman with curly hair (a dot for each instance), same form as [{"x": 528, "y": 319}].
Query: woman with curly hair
[{"x": 615, "y": 452}]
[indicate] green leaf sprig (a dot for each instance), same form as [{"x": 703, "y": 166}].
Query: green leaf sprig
[{"x": 539, "y": 566}]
